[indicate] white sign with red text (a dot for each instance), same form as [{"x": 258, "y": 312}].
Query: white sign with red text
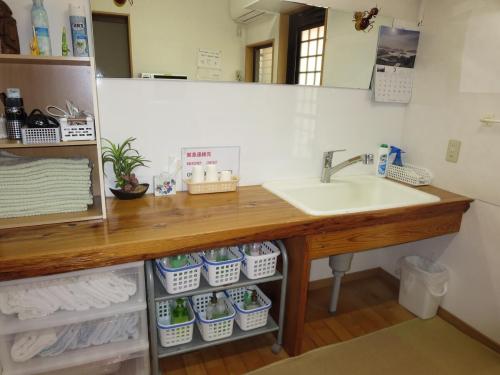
[{"x": 225, "y": 158}]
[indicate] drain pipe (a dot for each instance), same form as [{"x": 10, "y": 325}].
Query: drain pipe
[{"x": 339, "y": 264}]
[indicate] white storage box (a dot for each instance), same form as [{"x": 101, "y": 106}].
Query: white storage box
[
  {"x": 71, "y": 345},
  {"x": 249, "y": 319},
  {"x": 40, "y": 135},
  {"x": 178, "y": 280},
  {"x": 410, "y": 174},
  {"x": 173, "y": 334},
  {"x": 130, "y": 364},
  {"x": 42, "y": 299},
  {"x": 423, "y": 285},
  {"x": 256, "y": 267},
  {"x": 223, "y": 273},
  {"x": 73, "y": 129},
  {"x": 216, "y": 329}
]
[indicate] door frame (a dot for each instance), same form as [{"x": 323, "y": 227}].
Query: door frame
[{"x": 129, "y": 38}]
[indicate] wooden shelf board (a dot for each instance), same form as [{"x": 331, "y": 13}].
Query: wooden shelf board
[
  {"x": 8, "y": 143},
  {"x": 93, "y": 213},
  {"x": 45, "y": 60}
]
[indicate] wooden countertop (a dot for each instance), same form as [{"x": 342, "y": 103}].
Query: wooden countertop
[{"x": 155, "y": 227}]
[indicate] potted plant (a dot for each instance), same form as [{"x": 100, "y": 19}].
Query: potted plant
[{"x": 125, "y": 159}]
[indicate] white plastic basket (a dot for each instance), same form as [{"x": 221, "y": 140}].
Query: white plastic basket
[
  {"x": 259, "y": 266},
  {"x": 178, "y": 280},
  {"x": 173, "y": 334},
  {"x": 410, "y": 174},
  {"x": 249, "y": 319},
  {"x": 223, "y": 273},
  {"x": 77, "y": 129},
  {"x": 216, "y": 329},
  {"x": 32, "y": 136}
]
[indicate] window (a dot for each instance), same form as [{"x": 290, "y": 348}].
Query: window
[
  {"x": 263, "y": 64},
  {"x": 306, "y": 42},
  {"x": 311, "y": 56}
]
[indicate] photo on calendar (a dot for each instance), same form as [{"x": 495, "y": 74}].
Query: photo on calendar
[{"x": 397, "y": 47}]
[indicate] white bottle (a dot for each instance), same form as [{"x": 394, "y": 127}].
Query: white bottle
[
  {"x": 79, "y": 31},
  {"x": 382, "y": 160}
]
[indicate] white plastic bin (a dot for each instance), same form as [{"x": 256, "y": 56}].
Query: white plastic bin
[
  {"x": 423, "y": 285},
  {"x": 249, "y": 319},
  {"x": 173, "y": 334},
  {"x": 215, "y": 329},
  {"x": 259, "y": 266},
  {"x": 43, "y": 302},
  {"x": 223, "y": 273},
  {"x": 130, "y": 364},
  {"x": 76, "y": 344},
  {"x": 178, "y": 280}
]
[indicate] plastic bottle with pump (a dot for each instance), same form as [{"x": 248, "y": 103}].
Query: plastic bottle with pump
[
  {"x": 40, "y": 20},
  {"x": 382, "y": 160}
]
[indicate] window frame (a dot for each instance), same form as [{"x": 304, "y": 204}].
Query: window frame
[{"x": 308, "y": 19}]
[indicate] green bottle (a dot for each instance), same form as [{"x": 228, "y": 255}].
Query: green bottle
[
  {"x": 178, "y": 261},
  {"x": 180, "y": 313},
  {"x": 65, "y": 48},
  {"x": 251, "y": 300}
]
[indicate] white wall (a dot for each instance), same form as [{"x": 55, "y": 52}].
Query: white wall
[
  {"x": 440, "y": 110},
  {"x": 407, "y": 10},
  {"x": 58, "y": 12},
  {"x": 350, "y": 54},
  {"x": 282, "y": 130},
  {"x": 167, "y": 34},
  {"x": 265, "y": 29}
]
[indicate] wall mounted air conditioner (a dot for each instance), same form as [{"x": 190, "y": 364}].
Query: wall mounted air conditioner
[{"x": 241, "y": 12}]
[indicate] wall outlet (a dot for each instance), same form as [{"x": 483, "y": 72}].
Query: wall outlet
[{"x": 453, "y": 151}]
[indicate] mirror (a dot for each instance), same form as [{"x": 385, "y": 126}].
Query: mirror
[{"x": 261, "y": 41}]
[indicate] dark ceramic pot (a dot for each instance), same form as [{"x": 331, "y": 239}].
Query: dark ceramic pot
[{"x": 124, "y": 195}]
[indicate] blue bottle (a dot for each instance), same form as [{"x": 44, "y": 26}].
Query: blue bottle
[
  {"x": 40, "y": 21},
  {"x": 79, "y": 33}
]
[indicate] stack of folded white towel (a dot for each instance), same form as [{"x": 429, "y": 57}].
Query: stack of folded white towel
[
  {"x": 55, "y": 341},
  {"x": 38, "y": 186},
  {"x": 40, "y": 299}
]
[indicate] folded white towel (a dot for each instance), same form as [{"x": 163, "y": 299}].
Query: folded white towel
[
  {"x": 36, "y": 300},
  {"x": 28, "y": 345}
]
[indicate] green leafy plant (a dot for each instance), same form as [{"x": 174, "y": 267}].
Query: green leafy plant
[{"x": 124, "y": 159}]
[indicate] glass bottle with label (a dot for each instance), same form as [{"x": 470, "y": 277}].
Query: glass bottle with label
[{"x": 40, "y": 20}]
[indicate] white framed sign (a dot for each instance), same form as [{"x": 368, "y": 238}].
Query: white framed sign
[{"x": 225, "y": 158}]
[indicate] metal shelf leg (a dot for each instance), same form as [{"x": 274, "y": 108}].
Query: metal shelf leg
[
  {"x": 153, "y": 338},
  {"x": 284, "y": 256}
]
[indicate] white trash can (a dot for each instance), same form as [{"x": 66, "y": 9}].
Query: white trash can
[{"x": 423, "y": 285}]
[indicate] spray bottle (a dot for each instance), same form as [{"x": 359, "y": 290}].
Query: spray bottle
[
  {"x": 79, "y": 31},
  {"x": 395, "y": 156}
]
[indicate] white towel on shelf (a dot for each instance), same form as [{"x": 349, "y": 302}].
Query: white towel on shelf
[
  {"x": 40, "y": 299},
  {"x": 27, "y": 345}
]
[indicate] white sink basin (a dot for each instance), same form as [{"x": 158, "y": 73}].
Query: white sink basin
[{"x": 347, "y": 195}]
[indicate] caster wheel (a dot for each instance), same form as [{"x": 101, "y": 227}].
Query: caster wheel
[{"x": 276, "y": 348}]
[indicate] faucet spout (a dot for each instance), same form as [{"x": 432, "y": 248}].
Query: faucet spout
[{"x": 329, "y": 171}]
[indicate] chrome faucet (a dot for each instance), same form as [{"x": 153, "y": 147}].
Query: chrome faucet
[{"x": 328, "y": 171}]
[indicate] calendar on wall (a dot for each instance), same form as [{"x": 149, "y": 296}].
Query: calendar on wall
[
  {"x": 393, "y": 84},
  {"x": 393, "y": 73}
]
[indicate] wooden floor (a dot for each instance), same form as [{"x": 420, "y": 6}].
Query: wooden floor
[{"x": 366, "y": 305}]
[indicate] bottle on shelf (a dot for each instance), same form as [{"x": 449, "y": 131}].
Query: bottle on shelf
[
  {"x": 253, "y": 249},
  {"x": 178, "y": 261},
  {"x": 180, "y": 314},
  {"x": 40, "y": 20},
  {"x": 218, "y": 255},
  {"x": 216, "y": 308},
  {"x": 251, "y": 300},
  {"x": 79, "y": 32}
]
